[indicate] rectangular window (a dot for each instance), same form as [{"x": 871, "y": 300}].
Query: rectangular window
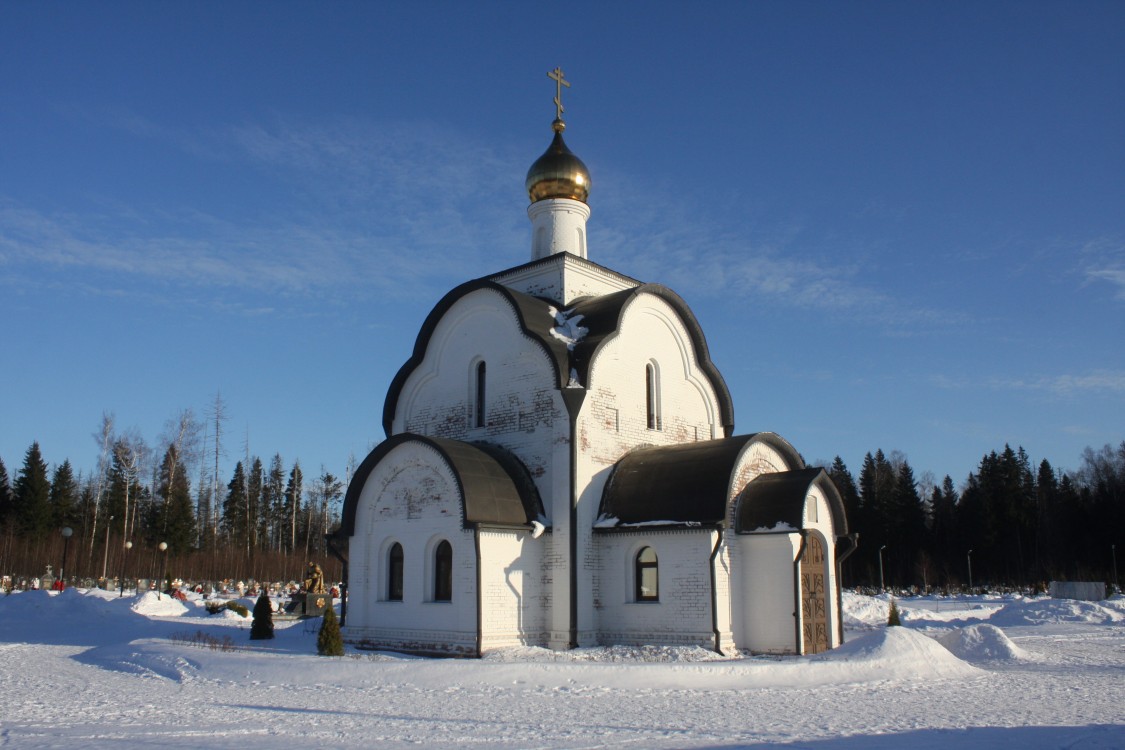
[
  {"x": 647, "y": 576},
  {"x": 443, "y": 573},
  {"x": 394, "y": 574},
  {"x": 652, "y": 397},
  {"x": 478, "y": 406}
]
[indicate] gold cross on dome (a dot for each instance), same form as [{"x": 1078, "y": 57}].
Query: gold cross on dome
[{"x": 560, "y": 80}]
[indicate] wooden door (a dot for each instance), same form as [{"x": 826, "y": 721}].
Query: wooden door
[{"x": 814, "y": 602}]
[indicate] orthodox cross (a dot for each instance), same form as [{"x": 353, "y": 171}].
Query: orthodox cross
[{"x": 559, "y": 78}]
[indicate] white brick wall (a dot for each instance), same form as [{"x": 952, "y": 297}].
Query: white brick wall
[
  {"x": 512, "y": 591},
  {"x": 524, "y": 411},
  {"x": 411, "y": 498},
  {"x": 763, "y": 593},
  {"x": 564, "y": 278},
  {"x": 683, "y": 613}
]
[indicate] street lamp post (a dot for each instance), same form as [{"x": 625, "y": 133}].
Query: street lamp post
[
  {"x": 67, "y": 532},
  {"x": 124, "y": 566},
  {"x": 163, "y": 547},
  {"x": 1113, "y": 552},
  {"x": 969, "y": 560},
  {"x": 882, "y": 588}
]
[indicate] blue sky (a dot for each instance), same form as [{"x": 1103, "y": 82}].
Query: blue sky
[{"x": 901, "y": 225}]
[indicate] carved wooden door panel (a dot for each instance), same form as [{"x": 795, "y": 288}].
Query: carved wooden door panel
[{"x": 814, "y": 604}]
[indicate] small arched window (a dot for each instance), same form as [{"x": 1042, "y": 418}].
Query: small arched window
[
  {"x": 479, "y": 395},
  {"x": 443, "y": 572},
  {"x": 647, "y": 576},
  {"x": 652, "y": 396},
  {"x": 394, "y": 573}
]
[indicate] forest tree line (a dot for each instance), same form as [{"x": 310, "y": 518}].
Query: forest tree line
[
  {"x": 266, "y": 521},
  {"x": 1009, "y": 523}
]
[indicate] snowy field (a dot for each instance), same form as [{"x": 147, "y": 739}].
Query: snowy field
[{"x": 88, "y": 669}]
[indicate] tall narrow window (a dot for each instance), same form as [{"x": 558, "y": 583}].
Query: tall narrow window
[
  {"x": 443, "y": 573},
  {"x": 478, "y": 406},
  {"x": 394, "y": 573},
  {"x": 647, "y": 576},
  {"x": 652, "y": 397}
]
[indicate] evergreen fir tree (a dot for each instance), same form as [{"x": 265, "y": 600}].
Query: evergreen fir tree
[
  {"x": 273, "y": 505},
  {"x": 876, "y": 487},
  {"x": 262, "y": 627},
  {"x": 329, "y": 641},
  {"x": 1046, "y": 498},
  {"x": 64, "y": 496},
  {"x": 893, "y": 617},
  {"x": 943, "y": 532},
  {"x": 294, "y": 489},
  {"x": 907, "y": 518},
  {"x": 175, "y": 519},
  {"x": 32, "y": 495},
  {"x": 845, "y": 483},
  {"x": 254, "y": 488},
  {"x": 7, "y": 498},
  {"x": 234, "y": 508}
]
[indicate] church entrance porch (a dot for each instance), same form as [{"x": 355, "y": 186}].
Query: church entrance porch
[{"x": 814, "y": 605}]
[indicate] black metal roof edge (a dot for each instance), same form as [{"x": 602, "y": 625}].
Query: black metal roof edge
[
  {"x": 782, "y": 446},
  {"x": 631, "y": 455},
  {"x": 621, "y": 300},
  {"x": 521, "y": 303},
  {"x": 520, "y": 476},
  {"x": 494, "y": 526},
  {"x": 657, "y": 528},
  {"x": 511, "y": 465},
  {"x": 835, "y": 502},
  {"x": 363, "y": 471},
  {"x": 817, "y": 476},
  {"x": 738, "y": 445}
]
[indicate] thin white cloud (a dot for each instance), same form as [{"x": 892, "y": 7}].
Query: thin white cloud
[
  {"x": 1104, "y": 261},
  {"x": 372, "y": 205},
  {"x": 1067, "y": 384},
  {"x": 370, "y": 208}
]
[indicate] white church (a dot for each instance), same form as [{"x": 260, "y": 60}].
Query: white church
[{"x": 560, "y": 470}]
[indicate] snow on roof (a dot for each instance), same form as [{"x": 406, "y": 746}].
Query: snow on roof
[{"x": 566, "y": 328}]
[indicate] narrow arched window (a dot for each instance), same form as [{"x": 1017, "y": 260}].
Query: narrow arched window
[
  {"x": 479, "y": 394},
  {"x": 394, "y": 573},
  {"x": 652, "y": 397},
  {"x": 647, "y": 576},
  {"x": 443, "y": 572}
]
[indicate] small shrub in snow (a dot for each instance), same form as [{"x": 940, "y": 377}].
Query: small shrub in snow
[
  {"x": 215, "y": 608},
  {"x": 262, "y": 627},
  {"x": 203, "y": 640},
  {"x": 329, "y": 641},
  {"x": 893, "y": 618}
]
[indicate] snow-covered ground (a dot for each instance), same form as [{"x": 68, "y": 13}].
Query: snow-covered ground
[{"x": 90, "y": 669}]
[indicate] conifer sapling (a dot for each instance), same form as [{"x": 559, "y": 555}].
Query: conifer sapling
[
  {"x": 262, "y": 627},
  {"x": 330, "y": 642},
  {"x": 893, "y": 618}
]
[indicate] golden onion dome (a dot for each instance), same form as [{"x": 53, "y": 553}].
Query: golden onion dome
[{"x": 558, "y": 173}]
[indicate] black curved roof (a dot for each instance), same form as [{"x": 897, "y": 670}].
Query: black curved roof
[
  {"x": 602, "y": 317},
  {"x": 777, "y": 501},
  {"x": 526, "y": 307},
  {"x": 683, "y": 484},
  {"x": 496, "y": 487}
]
